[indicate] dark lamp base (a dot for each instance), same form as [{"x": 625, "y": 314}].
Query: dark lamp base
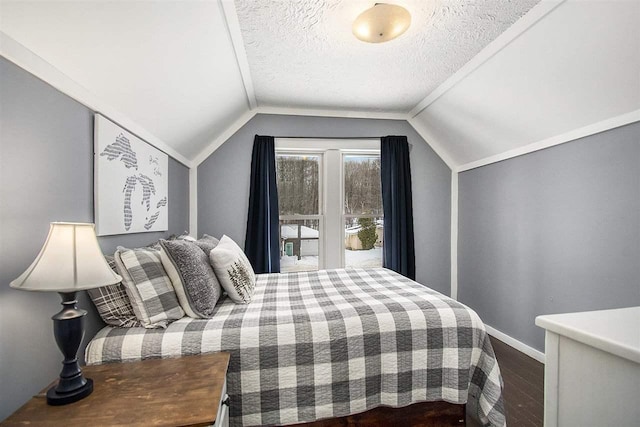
[
  {"x": 55, "y": 398},
  {"x": 68, "y": 328}
]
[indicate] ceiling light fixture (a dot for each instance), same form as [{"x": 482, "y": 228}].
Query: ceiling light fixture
[{"x": 381, "y": 23}]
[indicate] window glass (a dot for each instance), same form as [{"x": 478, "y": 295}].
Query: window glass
[
  {"x": 300, "y": 244},
  {"x": 363, "y": 215},
  {"x": 298, "y": 184},
  {"x": 362, "y": 194},
  {"x": 314, "y": 235},
  {"x": 363, "y": 239},
  {"x": 298, "y": 178}
]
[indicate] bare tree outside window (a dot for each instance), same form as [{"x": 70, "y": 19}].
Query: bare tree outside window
[
  {"x": 362, "y": 193},
  {"x": 298, "y": 180}
]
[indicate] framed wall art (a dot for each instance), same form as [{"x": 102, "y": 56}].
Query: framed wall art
[{"x": 130, "y": 182}]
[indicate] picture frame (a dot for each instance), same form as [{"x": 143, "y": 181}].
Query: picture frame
[{"x": 130, "y": 182}]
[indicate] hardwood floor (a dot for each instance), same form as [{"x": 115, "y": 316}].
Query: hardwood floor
[{"x": 523, "y": 386}]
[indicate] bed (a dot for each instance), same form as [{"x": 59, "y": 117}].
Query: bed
[{"x": 325, "y": 344}]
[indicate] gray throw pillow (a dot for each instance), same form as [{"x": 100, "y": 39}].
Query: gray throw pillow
[
  {"x": 207, "y": 243},
  {"x": 193, "y": 279}
]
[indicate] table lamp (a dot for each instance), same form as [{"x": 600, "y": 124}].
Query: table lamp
[{"x": 69, "y": 261}]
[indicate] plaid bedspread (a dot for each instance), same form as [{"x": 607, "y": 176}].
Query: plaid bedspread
[{"x": 331, "y": 343}]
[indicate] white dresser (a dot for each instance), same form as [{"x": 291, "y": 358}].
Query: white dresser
[{"x": 592, "y": 368}]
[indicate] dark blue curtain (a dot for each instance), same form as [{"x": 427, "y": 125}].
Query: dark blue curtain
[
  {"x": 262, "y": 241},
  {"x": 395, "y": 170}
]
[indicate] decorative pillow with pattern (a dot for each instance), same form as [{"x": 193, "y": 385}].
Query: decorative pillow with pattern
[
  {"x": 149, "y": 287},
  {"x": 233, "y": 270},
  {"x": 112, "y": 302},
  {"x": 193, "y": 279}
]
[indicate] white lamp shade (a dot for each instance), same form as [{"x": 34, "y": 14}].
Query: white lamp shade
[
  {"x": 69, "y": 261},
  {"x": 381, "y": 23}
]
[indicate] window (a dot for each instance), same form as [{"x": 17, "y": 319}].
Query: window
[
  {"x": 298, "y": 178},
  {"x": 330, "y": 204},
  {"x": 362, "y": 207}
]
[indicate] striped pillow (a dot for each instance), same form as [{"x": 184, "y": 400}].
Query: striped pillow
[
  {"x": 113, "y": 304},
  {"x": 149, "y": 288}
]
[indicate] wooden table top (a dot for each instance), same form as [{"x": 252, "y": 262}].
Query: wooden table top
[{"x": 184, "y": 391}]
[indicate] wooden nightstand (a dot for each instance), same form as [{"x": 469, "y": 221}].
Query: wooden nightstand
[{"x": 185, "y": 391}]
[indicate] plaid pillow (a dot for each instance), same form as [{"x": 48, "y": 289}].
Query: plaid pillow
[
  {"x": 148, "y": 286},
  {"x": 113, "y": 304}
]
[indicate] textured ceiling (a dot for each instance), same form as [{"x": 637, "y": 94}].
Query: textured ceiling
[{"x": 302, "y": 53}]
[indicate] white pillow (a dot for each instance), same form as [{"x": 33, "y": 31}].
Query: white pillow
[{"x": 233, "y": 270}]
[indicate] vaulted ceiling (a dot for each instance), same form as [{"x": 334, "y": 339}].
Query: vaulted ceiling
[
  {"x": 476, "y": 78},
  {"x": 310, "y": 58}
]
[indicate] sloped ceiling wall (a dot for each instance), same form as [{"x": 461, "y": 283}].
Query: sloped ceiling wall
[
  {"x": 169, "y": 66},
  {"x": 578, "y": 65},
  {"x": 182, "y": 71}
]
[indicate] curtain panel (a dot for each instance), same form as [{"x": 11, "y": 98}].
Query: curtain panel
[
  {"x": 395, "y": 170},
  {"x": 262, "y": 242}
]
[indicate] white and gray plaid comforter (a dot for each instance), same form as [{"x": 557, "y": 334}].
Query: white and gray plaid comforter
[{"x": 331, "y": 343}]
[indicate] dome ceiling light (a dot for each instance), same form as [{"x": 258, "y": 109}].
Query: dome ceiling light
[{"x": 381, "y": 23}]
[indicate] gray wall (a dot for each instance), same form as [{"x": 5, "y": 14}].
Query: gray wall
[
  {"x": 553, "y": 231},
  {"x": 46, "y": 174},
  {"x": 223, "y": 185}
]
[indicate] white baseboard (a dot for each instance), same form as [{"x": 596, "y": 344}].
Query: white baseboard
[{"x": 518, "y": 345}]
